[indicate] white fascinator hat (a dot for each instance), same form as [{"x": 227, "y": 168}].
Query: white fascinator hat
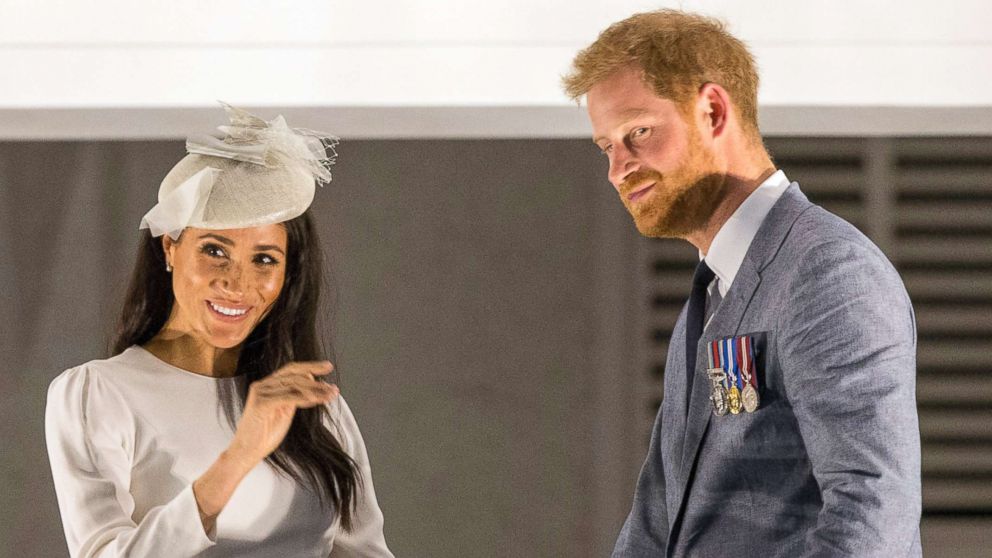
[{"x": 260, "y": 173}]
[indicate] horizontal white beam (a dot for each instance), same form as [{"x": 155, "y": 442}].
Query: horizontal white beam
[
  {"x": 455, "y": 76},
  {"x": 469, "y": 122}
]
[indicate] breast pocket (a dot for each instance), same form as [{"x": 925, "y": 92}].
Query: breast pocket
[{"x": 770, "y": 432}]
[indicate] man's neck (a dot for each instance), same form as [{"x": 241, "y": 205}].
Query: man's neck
[{"x": 739, "y": 184}]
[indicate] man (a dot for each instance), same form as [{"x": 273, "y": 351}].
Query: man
[{"x": 788, "y": 425}]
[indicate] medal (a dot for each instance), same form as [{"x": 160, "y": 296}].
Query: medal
[
  {"x": 733, "y": 375},
  {"x": 734, "y": 403},
  {"x": 750, "y": 392},
  {"x": 718, "y": 395},
  {"x": 749, "y": 398}
]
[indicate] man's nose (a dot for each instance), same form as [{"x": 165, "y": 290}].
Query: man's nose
[{"x": 622, "y": 163}]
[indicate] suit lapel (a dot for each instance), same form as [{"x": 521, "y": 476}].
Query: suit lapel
[
  {"x": 724, "y": 323},
  {"x": 675, "y": 384},
  {"x": 727, "y": 320}
]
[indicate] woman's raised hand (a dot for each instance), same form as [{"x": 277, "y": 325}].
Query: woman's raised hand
[{"x": 272, "y": 402}]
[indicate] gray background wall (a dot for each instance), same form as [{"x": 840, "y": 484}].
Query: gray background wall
[
  {"x": 499, "y": 325},
  {"x": 470, "y": 308}
]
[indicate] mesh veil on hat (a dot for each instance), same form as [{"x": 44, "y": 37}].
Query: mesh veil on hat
[{"x": 260, "y": 173}]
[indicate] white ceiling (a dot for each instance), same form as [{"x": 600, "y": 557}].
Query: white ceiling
[{"x": 468, "y": 67}]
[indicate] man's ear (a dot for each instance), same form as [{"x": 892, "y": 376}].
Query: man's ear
[{"x": 713, "y": 104}]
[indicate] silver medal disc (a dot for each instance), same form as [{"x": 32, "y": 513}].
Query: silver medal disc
[
  {"x": 718, "y": 397},
  {"x": 750, "y": 397}
]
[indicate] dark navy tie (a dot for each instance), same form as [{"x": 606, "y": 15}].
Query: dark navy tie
[{"x": 695, "y": 316}]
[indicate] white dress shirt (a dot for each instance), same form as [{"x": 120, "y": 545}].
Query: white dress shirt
[
  {"x": 734, "y": 238},
  {"x": 127, "y": 437}
]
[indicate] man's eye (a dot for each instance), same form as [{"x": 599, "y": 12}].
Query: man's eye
[
  {"x": 639, "y": 132},
  {"x": 606, "y": 150}
]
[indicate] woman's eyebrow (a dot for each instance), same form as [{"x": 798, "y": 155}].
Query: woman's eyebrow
[
  {"x": 229, "y": 242},
  {"x": 273, "y": 247},
  {"x": 218, "y": 238}
]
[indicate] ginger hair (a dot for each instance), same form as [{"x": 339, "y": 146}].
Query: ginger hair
[{"x": 678, "y": 53}]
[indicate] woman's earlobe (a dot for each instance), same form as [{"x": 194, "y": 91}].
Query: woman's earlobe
[{"x": 167, "y": 244}]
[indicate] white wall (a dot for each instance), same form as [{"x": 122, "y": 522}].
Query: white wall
[{"x": 920, "y": 65}]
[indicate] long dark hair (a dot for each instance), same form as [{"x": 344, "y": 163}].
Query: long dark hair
[{"x": 310, "y": 454}]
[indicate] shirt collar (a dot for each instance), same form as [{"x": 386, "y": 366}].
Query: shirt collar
[{"x": 735, "y": 236}]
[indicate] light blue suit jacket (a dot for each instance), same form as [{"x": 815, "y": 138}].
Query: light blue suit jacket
[{"x": 829, "y": 464}]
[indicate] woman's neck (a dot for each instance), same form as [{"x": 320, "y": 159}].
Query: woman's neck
[{"x": 185, "y": 351}]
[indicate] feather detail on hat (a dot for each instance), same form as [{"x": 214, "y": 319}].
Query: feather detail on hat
[{"x": 272, "y": 144}]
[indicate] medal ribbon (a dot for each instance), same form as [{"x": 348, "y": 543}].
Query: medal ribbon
[
  {"x": 727, "y": 350},
  {"x": 720, "y": 360},
  {"x": 737, "y": 363},
  {"x": 731, "y": 368},
  {"x": 753, "y": 367},
  {"x": 746, "y": 367}
]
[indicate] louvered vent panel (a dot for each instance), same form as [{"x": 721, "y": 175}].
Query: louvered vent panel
[
  {"x": 668, "y": 267},
  {"x": 831, "y": 173},
  {"x": 928, "y": 204},
  {"x": 943, "y": 240}
]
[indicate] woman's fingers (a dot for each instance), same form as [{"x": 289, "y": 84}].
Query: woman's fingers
[
  {"x": 296, "y": 384},
  {"x": 272, "y": 403},
  {"x": 318, "y": 389},
  {"x": 296, "y": 372},
  {"x": 309, "y": 368},
  {"x": 297, "y": 391}
]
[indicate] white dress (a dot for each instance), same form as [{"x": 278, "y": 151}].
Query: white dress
[{"x": 128, "y": 436}]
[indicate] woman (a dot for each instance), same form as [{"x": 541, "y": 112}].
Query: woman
[{"x": 212, "y": 430}]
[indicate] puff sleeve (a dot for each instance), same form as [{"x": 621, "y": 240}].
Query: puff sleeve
[
  {"x": 366, "y": 540},
  {"x": 90, "y": 437}
]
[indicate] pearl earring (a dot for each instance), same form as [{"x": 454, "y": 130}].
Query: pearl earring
[{"x": 168, "y": 268}]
